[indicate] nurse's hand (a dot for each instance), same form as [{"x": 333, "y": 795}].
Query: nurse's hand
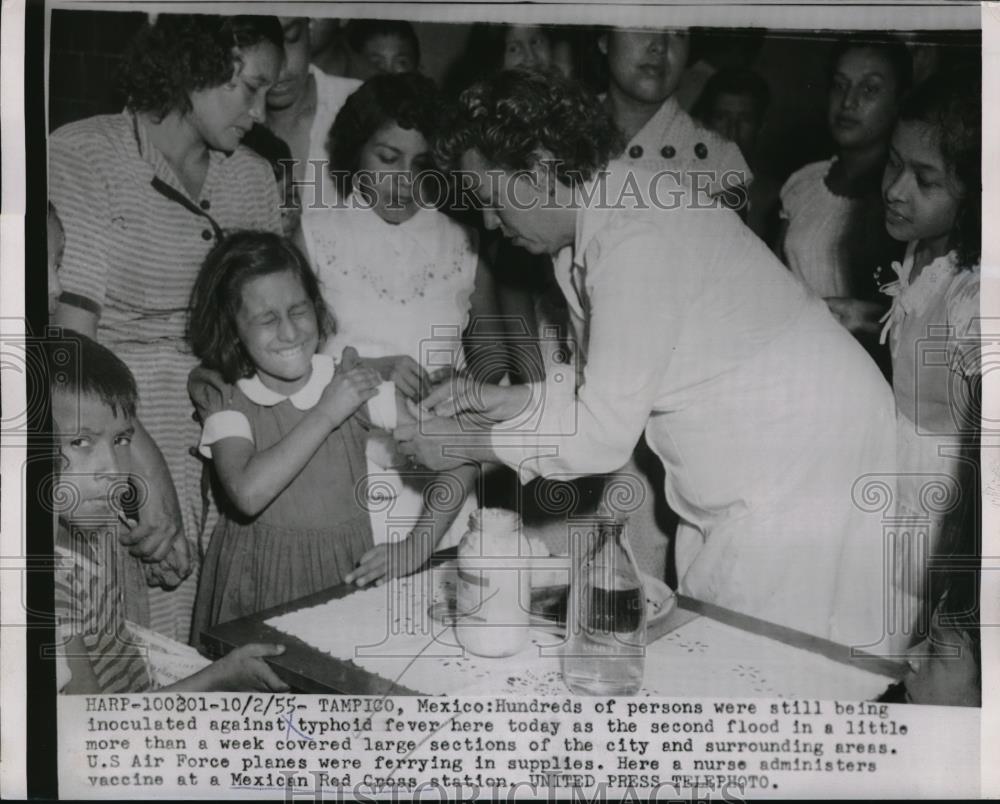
[
  {"x": 462, "y": 394},
  {"x": 425, "y": 442}
]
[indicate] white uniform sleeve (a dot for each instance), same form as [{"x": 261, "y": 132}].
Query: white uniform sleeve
[{"x": 638, "y": 297}]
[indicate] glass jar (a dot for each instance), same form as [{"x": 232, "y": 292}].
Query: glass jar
[
  {"x": 493, "y": 593},
  {"x": 606, "y": 618}
]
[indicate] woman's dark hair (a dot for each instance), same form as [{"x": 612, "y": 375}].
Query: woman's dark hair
[
  {"x": 183, "y": 53},
  {"x": 80, "y": 366},
  {"x": 510, "y": 117},
  {"x": 218, "y": 295},
  {"x": 409, "y": 100},
  {"x": 950, "y": 104},
  {"x": 732, "y": 81},
  {"x": 482, "y": 56},
  {"x": 891, "y": 47},
  {"x": 360, "y": 32}
]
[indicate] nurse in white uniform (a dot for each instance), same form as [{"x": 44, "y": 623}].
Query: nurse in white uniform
[{"x": 762, "y": 409}]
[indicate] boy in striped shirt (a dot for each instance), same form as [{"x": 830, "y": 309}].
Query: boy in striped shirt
[{"x": 94, "y": 400}]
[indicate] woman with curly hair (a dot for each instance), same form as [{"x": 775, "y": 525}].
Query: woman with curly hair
[
  {"x": 762, "y": 409},
  {"x": 404, "y": 281},
  {"x": 143, "y": 195}
]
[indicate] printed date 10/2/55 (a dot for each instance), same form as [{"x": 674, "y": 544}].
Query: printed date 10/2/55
[{"x": 249, "y": 704}]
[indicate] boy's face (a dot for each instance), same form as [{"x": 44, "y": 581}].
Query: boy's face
[
  {"x": 95, "y": 447},
  {"x": 295, "y": 69},
  {"x": 386, "y": 53},
  {"x": 645, "y": 66},
  {"x": 527, "y": 47},
  {"x": 735, "y": 117}
]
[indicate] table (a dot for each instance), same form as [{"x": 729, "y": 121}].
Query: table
[{"x": 309, "y": 670}]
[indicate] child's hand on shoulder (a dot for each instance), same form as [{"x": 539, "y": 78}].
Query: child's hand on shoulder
[
  {"x": 244, "y": 670},
  {"x": 350, "y": 388}
]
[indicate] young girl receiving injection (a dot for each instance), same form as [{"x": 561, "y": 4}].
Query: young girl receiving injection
[{"x": 279, "y": 427}]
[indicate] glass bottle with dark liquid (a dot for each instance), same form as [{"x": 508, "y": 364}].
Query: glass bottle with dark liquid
[{"x": 606, "y": 626}]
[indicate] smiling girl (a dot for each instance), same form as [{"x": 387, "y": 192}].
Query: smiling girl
[
  {"x": 932, "y": 195},
  {"x": 278, "y": 425}
]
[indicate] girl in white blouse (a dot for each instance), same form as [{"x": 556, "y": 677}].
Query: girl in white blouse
[
  {"x": 402, "y": 280},
  {"x": 832, "y": 236},
  {"x": 931, "y": 190}
]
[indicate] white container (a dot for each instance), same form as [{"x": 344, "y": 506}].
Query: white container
[{"x": 493, "y": 593}]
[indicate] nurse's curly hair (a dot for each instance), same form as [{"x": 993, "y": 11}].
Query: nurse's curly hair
[
  {"x": 182, "y": 53},
  {"x": 515, "y": 114}
]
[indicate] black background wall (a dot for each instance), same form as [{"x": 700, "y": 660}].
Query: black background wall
[{"x": 86, "y": 46}]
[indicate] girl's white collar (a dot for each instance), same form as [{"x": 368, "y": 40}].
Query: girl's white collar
[{"x": 304, "y": 399}]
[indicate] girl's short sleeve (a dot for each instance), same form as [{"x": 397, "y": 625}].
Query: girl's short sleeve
[
  {"x": 213, "y": 400},
  {"x": 798, "y": 186},
  {"x": 964, "y": 318}
]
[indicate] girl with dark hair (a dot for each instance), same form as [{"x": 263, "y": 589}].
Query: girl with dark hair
[
  {"x": 932, "y": 191},
  {"x": 404, "y": 281},
  {"x": 831, "y": 235},
  {"x": 278, "y": 425},
  {"x": 142, "y": 196}
]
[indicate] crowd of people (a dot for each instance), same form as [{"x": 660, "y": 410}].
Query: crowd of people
[{"x": 276, "y": 326}]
